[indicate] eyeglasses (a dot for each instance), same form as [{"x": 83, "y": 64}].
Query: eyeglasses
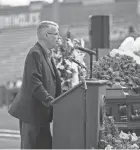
[{"x": 53, "y": 33}]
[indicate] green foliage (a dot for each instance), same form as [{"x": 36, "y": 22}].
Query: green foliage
[{"x": 122, "y": 69}]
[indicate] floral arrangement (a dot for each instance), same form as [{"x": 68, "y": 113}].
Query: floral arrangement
[
  {"x": 121, "y": 68},
  {"x": 71, "y": 72},
  {"x": 121, "y": 65},
  {"x": 111, "y": 138}
]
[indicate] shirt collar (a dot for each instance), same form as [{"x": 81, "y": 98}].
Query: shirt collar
[{"x": 48, "y": 52}]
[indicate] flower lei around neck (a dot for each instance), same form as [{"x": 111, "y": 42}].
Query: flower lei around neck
[{"x": 70, "y": 72}]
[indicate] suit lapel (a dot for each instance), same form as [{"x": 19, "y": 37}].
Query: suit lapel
[
  {"x": 50, "y": 65},
  {"x": 47, "y": 60}
]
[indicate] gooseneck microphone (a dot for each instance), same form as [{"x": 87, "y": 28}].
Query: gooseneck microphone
[
  {"x": 90, "y": 52},
  {"x": 77, "y": 62}
]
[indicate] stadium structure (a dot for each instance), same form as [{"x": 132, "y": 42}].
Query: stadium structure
[{"x": 18, "y": 26}]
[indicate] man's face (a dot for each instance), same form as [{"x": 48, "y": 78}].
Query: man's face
[{"x": 52, "y": 36}]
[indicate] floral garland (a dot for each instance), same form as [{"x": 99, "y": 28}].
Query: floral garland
[{"x": 70, "y": 72}]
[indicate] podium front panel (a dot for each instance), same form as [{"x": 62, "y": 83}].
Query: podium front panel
[
  {"x": 71, "y": 129},
  {"x": 68, "y": 121}
]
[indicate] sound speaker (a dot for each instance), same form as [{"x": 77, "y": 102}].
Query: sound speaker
[{"x": 99, "y": 32}]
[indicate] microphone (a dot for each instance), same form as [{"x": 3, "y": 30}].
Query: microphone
[
  {"x": 90, "y": 52},
  {"x": 75, "y": 61}
]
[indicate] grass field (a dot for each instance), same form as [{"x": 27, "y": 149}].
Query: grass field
[
  {"x": 8, "y": 122},
  {"x": 9, "y": 143}
]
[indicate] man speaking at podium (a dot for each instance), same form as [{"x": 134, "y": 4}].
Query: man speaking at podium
[{"x": 41, "y": 84}]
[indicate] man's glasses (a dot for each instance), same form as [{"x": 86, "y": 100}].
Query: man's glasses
[{"x": 53, "y": 33}]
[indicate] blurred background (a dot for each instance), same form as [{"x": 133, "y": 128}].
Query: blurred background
[{"x": 18, "y": 21}]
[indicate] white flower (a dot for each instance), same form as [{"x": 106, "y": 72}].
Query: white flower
[
  {"x": 79, "y": 57},
  {"x": 68, "y": 71},
  {"x": 134, "y": 134},
  {"x": 58, "y": 63},
  {"x": 67, "y": 62},
  {"x": 137, "y": 44},
  {"x": 134, "y": 146},
  {"x": 134, "y": 137},
  {"x": 69, "y": 42},
  {"x": 128, "y": 44},
  {"x": 61, "y": 67},
  {"x": 124, "y": 136},
  {"x": 114, "y": 52},
  {"x": 58, "y": 55},
  {"x": 108, "y": 147}
]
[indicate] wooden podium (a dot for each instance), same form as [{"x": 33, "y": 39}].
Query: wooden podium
[{"x": 76, "y": 116}]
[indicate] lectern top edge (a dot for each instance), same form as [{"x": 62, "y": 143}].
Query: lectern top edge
[
  {"x": 98, "y": 82},
  {"x": 89, "y": 81},
  {"x": 67, "y": 92}
]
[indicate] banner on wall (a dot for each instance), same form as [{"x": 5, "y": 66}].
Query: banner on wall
[{"x": 19, "y": 20}]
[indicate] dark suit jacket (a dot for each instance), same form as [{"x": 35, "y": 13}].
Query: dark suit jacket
[{"x": 41, "y": 84}]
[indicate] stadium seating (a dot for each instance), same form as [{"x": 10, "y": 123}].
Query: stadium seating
[{"x": 14, "y": 45}]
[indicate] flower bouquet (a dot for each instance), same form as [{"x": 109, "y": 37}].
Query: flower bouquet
[{"x": 70, "y": 64}]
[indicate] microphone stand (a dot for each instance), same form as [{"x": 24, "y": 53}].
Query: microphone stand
[
  {"x": 91, "y": 63},
  {"x": 91, "y": 53},
  {"x": 84, "y": 87}
]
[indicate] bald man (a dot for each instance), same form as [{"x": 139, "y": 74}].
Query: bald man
[{"x": 41, "y": 84}]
